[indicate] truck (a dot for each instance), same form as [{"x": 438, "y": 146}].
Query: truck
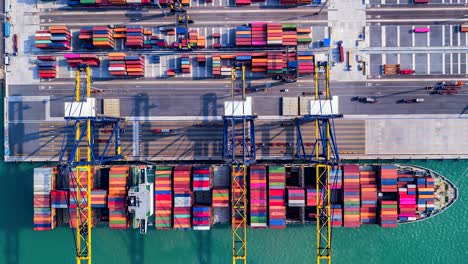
[
  {"x": 162, "y": 130},
  {"x": 6, "y": 28},
  {"x": 15, "y": 44},
  {"x": 409, "y": 101},
  {"x": 464, "y": 28},
  {"x": 362, "y": 99},
  {"x": 391, "y": 69},
  {"x": 341, "y": 50}
]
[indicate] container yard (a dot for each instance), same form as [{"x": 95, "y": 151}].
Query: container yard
[{"x": 204, "y": 124}]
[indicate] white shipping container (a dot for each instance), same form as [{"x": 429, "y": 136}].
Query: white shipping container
[
  {"x": 81, "y": 109},
  {"x": 324, "y": 107},
  {"x": 116, "y": 68},
  {"x": 201, "y": 228},
  {"x": 258, "y": 224}
]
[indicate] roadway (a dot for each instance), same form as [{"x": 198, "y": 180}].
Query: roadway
[
  {"x": 205, "y": 98},
  {"x": 226, "y": 17},
  {"x": 417, "y": 16}
]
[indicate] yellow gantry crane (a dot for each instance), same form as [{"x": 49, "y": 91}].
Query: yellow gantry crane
[
  {"x": 239, "y": 161},
  {"x": 324, "y": 155},
  {"x": 323, "y": 135},
  {"x": 80, "y": 170}
]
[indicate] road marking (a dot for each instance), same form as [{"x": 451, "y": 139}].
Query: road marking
[
  {"x": 443, "y": 63},
  {"x": 459, "y": 63},
  {"x": 414, "y": 61},
  {"x": 398, "y": 36},
  {"x": 443, "y": 36},
  {"x": 451, "y": 35},
  {"x": 428, "y": 63},
  {"x": 466, "y": 62},
  {"x": 459, "y": 38},
  {"x": 451, "y": 63},
  {"x": 428, "y": 43},
  {"x": 398, "y": 58},
  {"x": 412, "y": 36},
  {"x": 384, "y": 39},
  {"x": 384, "y": 58}
]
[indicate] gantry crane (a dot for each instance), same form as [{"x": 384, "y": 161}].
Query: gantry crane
[
  {"x": 181, "y": 18},
  {"x": 79, "y": 169},
  {"x": 324, "y": 154},
  {"x": 240, "y": 161}
]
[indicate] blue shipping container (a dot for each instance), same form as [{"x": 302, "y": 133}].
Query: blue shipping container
[{"x": 7, "y": 29}]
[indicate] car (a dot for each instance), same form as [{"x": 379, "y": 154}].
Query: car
[
  {"x": 284, "y": 90},
  {"x": 277, "y": 77},
  {"x": 289, "y": 80}
]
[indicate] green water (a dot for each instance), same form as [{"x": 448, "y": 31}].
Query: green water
[{"x": 443, "y": 239}]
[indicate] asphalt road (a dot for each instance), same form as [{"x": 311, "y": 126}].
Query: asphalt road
[
  {"x": 442, "y": 15},
  {"x": 210, "y": 18},
  {"x": 206, "y": 98}
]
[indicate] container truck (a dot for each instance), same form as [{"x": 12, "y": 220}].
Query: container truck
[
  {"x": 391, "y": 69},
  {"x": 6, "y": 28},
  {"x": 464, "y": 28},
  {"x": 162, "y": 130}
]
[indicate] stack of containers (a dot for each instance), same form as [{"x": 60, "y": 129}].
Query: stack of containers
[
  {"x": 258, "y": 196},
  {"x": 135, "y": 66},
  {"x": 288, "y": 2},
  {"x": 407, "y": 203},
  {"x": 57, "y": 37},
  {"x": 259, "y": 37},
  {"x": 201, "y": 217},
  {"x": 388, "y": 213},
  {"x": 275, "y": 63},
  {"x": 117, "y": 64},
  {"x": 163, "y": 197},
  {"x": 276, "y": 192},
  {"x": 351, "y": 196},
  {"x": 103, "y": 37},
  {"x": 182, "y": 197},
  {"x": 118, "y": 176},
  {"x": 274, "y": 34},
  {"x": 216, "y": 65},
  {"x": 303, "y": 35},
  {"x": 243, "y": 2},
  {"x": 289, "y": 35},
  {"x": 59, "y": 199},
  {"x": 296, "y": 197},
  {"x": 185, "y": 65},
  {"x": 259, "y": 62},
  {"x": 201, "y": 178},
  {"x": 135, "y": 37},
  {"x": 117, "y": 2},
  {"x": 305, "y": 60},
  {"x": 193, "y": 37},
  {"x": 368, "y": 195},
  {"x": 312, "y": 197},
  {"x": 98, "y": 198},
  {"x": 74, "y": 59},
  {"x": 147, "y": 38},
  {"x": 47, "y": 67},
  {"x": 220, "y": 197},
  {"x": 201, "y": 42},
  {"x": 388, "y": 178},
  {"x": 44, "y": 183},
  {"x": 336, "y": 215},
  {"x": 243, "y": 36},
  {"x": 120, "y": 32},
  {"x": 336, "y": 178},
  {"x": 86, "y": 36},
  {"x": 425, "y": 194}
]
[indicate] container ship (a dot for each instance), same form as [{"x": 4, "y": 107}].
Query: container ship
[{"x": 199, "y": 197}]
